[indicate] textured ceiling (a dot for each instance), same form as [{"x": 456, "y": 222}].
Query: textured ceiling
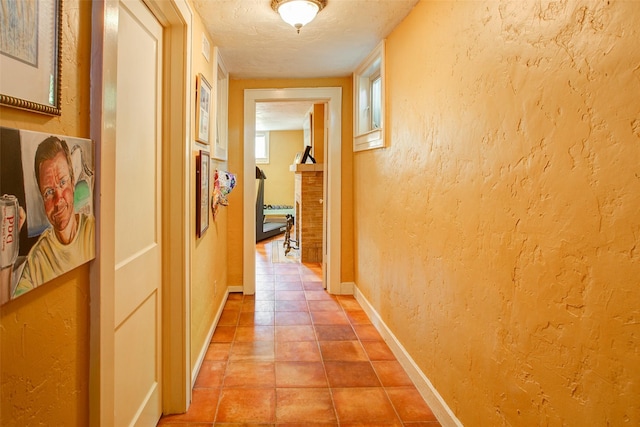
[
  {"x": 256, "y": 44},
  {"x": 286, "y": 115}
]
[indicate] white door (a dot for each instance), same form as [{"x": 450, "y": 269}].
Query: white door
[{"x": 137, "y": 305}]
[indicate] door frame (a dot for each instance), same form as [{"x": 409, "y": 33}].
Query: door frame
[
  {"x": 176, "y": 18},
  {"x": 333, "y": 171}
]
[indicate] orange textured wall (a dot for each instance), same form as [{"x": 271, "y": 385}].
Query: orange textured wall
[
  {"x": 318, "y": 132},
  {"x": 236, "y": 156},
  {"x": 278, "y": 187},
  {"x": 44, "y": 334},
  {"x": 497, "y": 235},
  {"x": 209, "y": 253}
]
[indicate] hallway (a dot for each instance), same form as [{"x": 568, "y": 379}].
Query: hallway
[{"x": 294, "y": 355}]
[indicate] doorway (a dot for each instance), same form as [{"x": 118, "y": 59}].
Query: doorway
[
  {"x": 283, "y": 129},
  {"x": 332, "y": 190},
  {"x": 169, "y": 379}
]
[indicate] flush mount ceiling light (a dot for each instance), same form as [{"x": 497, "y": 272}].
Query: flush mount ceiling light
[{"x": 298, "y": 13}]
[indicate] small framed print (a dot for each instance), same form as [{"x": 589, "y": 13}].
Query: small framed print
[
  {"x": 206, "y": 47},
  {"x": 202, "y": 194},
  {"x": 203, "y": 110}
]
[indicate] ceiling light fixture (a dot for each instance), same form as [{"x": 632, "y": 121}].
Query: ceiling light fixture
[{"x": 298, "y": 13}]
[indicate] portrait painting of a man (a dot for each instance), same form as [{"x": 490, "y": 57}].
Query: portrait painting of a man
[{"x": 47, "y": 208}]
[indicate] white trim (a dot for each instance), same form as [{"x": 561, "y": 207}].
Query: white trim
[
  {"x": 176, "y": 18},
  {"x": 102, "y": 128},
  {"x": 346, "y": 288},
  {"x": 365, "y": 137},
  {"x": 207, "y": 342},
  {"x": 441, "y": 410},
  {"x": 221, "y": 88},
  {"x": 233, "y": 289},
  {"x": 333, "y": 171}
]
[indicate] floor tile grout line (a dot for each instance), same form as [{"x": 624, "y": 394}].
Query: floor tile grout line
[
  {"x": 322, "y": 360},
  {"x": 228, "y": 361},
  {"x": 317, "y": 341}
]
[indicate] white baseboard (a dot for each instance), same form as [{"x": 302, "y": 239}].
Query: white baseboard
[
  {"x": 440, "y": 409},
  {"x": 205, "y": 347},
  {"x": 232, "y": 289},
  {"x": 346, "y": 288}
]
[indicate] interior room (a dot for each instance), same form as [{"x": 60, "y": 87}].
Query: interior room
[
  {"x": 282, "y": 133},
  {"x": 473, "y": 213}
]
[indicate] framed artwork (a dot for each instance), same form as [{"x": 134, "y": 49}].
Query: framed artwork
[
  {"x": 202, "y": 194},
  {"x": 222, "y": 99},
  {"x": 47, "y": 223},
  {"x": 203, "y": 112},
  {"x": 206, "y": 47},
  {"x": 30, "y": 55}
]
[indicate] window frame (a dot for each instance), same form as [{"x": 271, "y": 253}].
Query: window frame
[
  {"x": 365, "y": 135},
  {"x": 262, "y": 160},
  {"x": 220, "y": 146}
]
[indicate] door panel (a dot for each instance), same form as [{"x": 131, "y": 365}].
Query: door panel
[
  {"x": 137, "y": 309},
  {"x": 134, "y": 282},
  {"x": 136, "y": 377},
  {"x": 136, "y": 150}
]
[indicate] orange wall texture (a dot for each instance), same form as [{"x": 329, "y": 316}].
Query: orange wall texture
[
  {"x": 236, "y": 156},
  {"x": 44, "y": 334},
  {"x": 503, "y": 252},
  {"x": 278, "y": 187},
  {"x": 208, "y": 253}
]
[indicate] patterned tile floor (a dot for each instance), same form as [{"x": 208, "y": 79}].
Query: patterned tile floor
[{"x": 293, "y": 355}]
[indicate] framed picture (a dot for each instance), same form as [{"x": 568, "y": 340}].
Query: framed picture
[
  {"x": 202, "y": 194},
  {"x": 206, "y": 47},
  {"x": 30, "y": 55},
  {"x": 203, "y": 110},
  {"x": 222, "y": 98},
  {"x": 41, "y": 241}
]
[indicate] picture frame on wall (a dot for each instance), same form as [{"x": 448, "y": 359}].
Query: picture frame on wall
[
  {"x": 30, "y": 57},
  {"x": 36, "y": 210},
  {"x": 203, "y": 110},
  {"x": 202, "y": 194}
]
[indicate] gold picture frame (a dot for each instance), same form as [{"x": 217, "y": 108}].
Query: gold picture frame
[{"x": 30, "y": 56}]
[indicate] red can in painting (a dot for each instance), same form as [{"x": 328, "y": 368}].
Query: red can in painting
[
  {"x": 9, "y": 223},
  {"x": 9, "y": 232}
]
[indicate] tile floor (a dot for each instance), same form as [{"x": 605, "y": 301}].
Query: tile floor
[{"x": 293, "y": 355}]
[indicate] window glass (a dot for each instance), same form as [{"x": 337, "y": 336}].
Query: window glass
[
  {"x": 368, "y": 101},
  {"x": 376, "y": 96},
  {"x": 262, "y": 147}
]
